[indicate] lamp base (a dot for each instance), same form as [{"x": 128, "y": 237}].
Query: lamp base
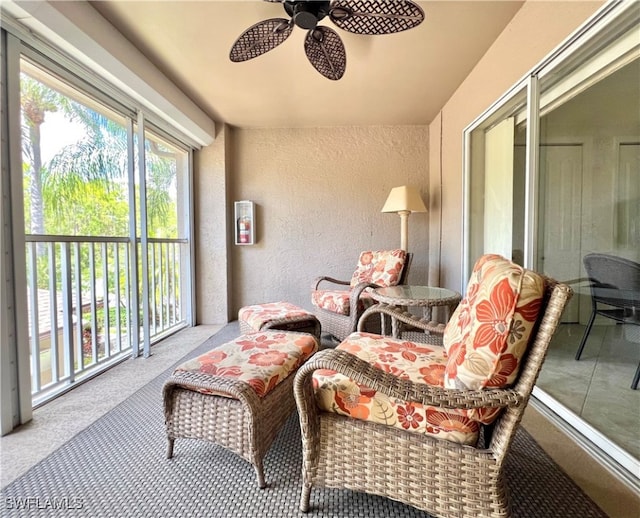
[{"x": 404, "y": 229}]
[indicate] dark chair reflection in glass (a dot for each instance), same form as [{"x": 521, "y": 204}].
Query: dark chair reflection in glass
[{"x": 615, "y": 294}]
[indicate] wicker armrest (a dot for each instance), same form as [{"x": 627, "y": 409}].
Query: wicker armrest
[
  {"x": 318, "y": 280},
  {"x": 370, "y": 376},
  {"x": 434, "y": 328},
  {"x": 355, "y": 294}
]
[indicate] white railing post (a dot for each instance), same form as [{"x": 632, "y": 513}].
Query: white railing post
[
  {"x": 67, "y": 311},
  {"x": 105, "y": 299},
  {"x": 53, "y": 312},
  {"x": 34, "y": 324}
]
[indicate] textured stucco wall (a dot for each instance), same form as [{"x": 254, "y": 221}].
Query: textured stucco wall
[
  {"x": 212, "y": 267},
  {"x": 318, "y": 195},
  {"x": 537, "y": 29}
]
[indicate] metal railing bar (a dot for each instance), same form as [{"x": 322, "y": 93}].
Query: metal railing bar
[
  {"x": 53, "y": 312},
  {"x": 169, "y": 283},
  {"x": 79, "y": 356},
  {"x": 67, "y": 309},
  {"x": 152, "y": 278},
  {"x": 144, "y": 234},
  {"x": 128, "y": 298},
  {"x": 174, "y": 280},
  {"x": 167, "y": 240},
  {"x": 45, "y": 238},
  {"x": 87, "y": 374},
  {"x": 35, "y": 333},
  {"x": 116, "y": 288},
  {"x": 105, "y": 299},
  {"x": 161, "y": 282},
  {"x": 94, "y": 313}
]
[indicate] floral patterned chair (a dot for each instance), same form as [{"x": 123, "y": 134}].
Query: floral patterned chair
[
  {"x": 340, "y": 309},
  {"x": 430, "y": 424}
]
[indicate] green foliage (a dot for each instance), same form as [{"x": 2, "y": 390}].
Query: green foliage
[
  {"x": 113, "y": 319},
  {"x": 85, "y": 185},
  {"x": 88, "y": 208}
]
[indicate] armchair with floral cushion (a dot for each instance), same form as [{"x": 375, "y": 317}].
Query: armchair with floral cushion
[
  {"x": 339, "y": 304},
  {"x": 430, "y": 424}
]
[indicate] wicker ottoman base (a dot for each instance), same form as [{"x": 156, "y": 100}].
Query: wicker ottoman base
[
  {"x": 215, "y": 404},
  {"x": 278, "y": 315}
]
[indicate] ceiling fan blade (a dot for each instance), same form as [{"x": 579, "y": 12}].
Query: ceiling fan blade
[
  {"x": 260, "y": 38},
  {"x": 376, "y": 16},
  {"x": 325, "y": 51}
]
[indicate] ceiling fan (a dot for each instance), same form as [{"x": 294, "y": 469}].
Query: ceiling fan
[{"x": 323, "y": 46}]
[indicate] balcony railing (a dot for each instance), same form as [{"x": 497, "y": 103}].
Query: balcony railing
[{"x": 81, "y": 300}]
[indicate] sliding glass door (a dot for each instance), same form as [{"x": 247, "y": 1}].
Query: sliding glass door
[
  {"x": 589, "y": 202},
  {"x": 553, "y": 175}
]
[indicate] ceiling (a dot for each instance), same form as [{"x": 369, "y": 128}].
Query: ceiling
[{"x": 394, "y": 79}]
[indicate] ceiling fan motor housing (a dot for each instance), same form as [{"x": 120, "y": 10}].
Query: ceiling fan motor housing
[{"x": 306, "y": 14}]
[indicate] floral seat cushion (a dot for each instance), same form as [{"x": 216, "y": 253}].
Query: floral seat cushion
[
  {"x": 489, "y": 332},
  {"x": 261, "y": 359},
  {"x": 258, "y": 315},
  {"x": 420, "y": 363},
  {"x": 381, "y": 267}
]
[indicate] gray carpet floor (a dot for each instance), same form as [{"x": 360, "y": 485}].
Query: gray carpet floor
[{"x": 117, "y": 468}]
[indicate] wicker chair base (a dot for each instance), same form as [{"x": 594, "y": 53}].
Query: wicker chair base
[
  {"x": 435, "y": 475},
  {"x": 381, "y": 460},
  {"x": 237, "y": 419},
  {"x": 340, "y": 326}
]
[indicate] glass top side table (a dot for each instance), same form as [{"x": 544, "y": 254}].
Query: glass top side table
[{"x": 425, "y": 297}]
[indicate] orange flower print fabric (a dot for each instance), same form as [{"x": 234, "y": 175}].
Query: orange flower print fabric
[
  {"x": 379, "y": 267},
  {"x": 339, "y": 301},
  {"x": 420, "y": 363},
  {"x": 259, "y": 314},
  {"x": 261, "y": 359},
  {"x": 490, "y": 329}
]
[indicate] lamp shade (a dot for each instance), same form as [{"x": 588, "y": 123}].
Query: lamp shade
[{"x": 404, "y": 198}]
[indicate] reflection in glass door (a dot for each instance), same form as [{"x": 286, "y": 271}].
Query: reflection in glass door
[{"x": 589, "y": 194}]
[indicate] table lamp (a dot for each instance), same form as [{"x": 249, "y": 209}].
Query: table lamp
[{"x": 404, "y": 200}]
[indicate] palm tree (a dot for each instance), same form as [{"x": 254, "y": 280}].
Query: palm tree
[{"x": 36, "y": 100}]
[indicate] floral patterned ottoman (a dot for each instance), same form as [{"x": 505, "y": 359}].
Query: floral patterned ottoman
[
  {"x": 237, "y": 395},
  {"x": 278, "y": 315}
]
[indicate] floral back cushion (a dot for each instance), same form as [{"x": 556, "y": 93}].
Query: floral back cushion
[
  {"x": 382, "y": 267},
  {"x": 488, "y": 333}
]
